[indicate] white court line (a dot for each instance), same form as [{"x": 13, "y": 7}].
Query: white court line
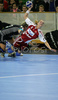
[{"x": 29, "y": 75}]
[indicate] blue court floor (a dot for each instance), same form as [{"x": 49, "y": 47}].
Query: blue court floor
[{"x": 29, "y": 77}]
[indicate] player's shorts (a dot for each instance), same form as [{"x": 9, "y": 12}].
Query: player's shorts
[
  {"x": 19, "y": 42},
  {"x": 8, "y": 37}
]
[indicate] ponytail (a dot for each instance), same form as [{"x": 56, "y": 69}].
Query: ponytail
[{"x": 36, "y": 22}]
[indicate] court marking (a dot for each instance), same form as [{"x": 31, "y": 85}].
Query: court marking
[{"x": 29, "y": 75}]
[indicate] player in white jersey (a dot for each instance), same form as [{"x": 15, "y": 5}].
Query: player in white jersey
[{"x": 33, "y": 31}]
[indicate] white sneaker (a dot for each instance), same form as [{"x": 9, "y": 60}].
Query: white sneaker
[{"x": 21, "y": 54}]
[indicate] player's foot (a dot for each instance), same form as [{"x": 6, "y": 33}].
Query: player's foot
[
  {"x": 2, "y": 54},
  {"x": 21, "y": 54},
  {"x": 12, "y": 54}
]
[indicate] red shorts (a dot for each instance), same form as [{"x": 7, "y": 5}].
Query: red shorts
[{"x": 19, "y": 42}]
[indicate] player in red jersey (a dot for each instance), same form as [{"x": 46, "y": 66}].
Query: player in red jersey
[{"x": 33, "y": 31}]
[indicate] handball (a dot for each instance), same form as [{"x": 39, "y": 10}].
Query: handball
[{"x": 28, "y": 4}]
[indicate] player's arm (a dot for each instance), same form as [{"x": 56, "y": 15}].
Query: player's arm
[
  {"x": 19, "y": 31},
  {"x": 47, "y": 45},
  {"x": 42, "y": 39},
  {"x": 27, "y": 20},
  {"x": 27, "y": 12},
  {"x": 30, "y": 43}
]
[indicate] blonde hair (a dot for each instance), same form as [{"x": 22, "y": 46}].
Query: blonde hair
[{"x": 36, "y": 22}]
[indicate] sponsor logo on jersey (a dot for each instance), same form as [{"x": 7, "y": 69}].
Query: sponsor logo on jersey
[{"x": 30, "y": 32}]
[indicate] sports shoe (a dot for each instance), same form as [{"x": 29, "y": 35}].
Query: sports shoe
[
  {"x": 13, "y": 54},
  {"x": 21, "y": 54}
]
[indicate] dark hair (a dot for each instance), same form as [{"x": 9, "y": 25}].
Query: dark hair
[
  {"x": 24, "y": 24},
  {"x": 24, "y": 6},
  {"x": 41, "y": 6},
  {"x": 13, "y": 4}
]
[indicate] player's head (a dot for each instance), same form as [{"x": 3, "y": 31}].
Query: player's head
[
  {"x": 24, "y": 25},
  {"x": 39, "y": 24}
]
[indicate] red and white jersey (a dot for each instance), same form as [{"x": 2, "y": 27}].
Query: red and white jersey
[{"x": 31, "y": 33}]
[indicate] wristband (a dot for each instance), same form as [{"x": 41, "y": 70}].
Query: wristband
[
  {"x": 21, "y": 29},
  {"x": 27, "y": 11}
]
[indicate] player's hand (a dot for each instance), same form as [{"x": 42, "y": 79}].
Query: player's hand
[
  {"x": 53, "y": 50},
  {"x": 32, "y": 5}
]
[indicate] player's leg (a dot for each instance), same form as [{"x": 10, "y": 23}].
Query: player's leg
[
  {"x": 16, "y": 51},
  {"x": 2, "y": 45},
  {"x": 11, "y": 52},
  {"x": 17, "y": 44},
  {"x": 2, "y": 49}
]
